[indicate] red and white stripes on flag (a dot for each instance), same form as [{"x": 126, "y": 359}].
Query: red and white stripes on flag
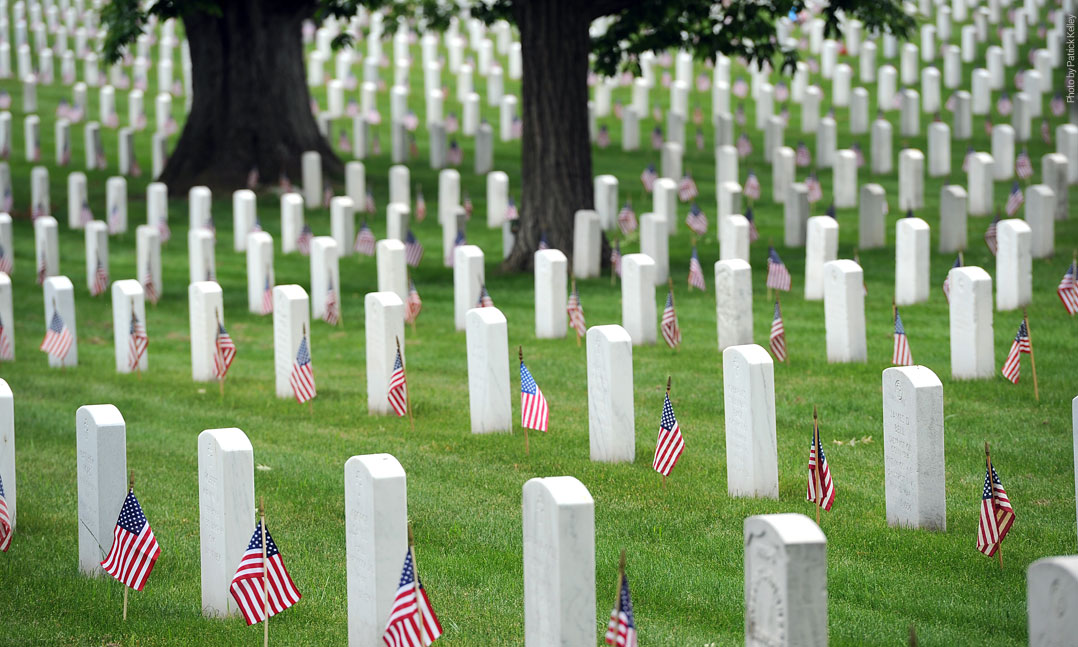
[
  {"x": 413, "y": 305},
  {"x": 267, "y": 295},
  {"x": 534, "y": 413},
  {"x": 5, "y": 521},
  {"x": 7, "y": 352},
  {"x": 696, "y": 272},
  {"x": 670, "y": 444},
  {"x": 138, "y": 341},
  {"x": 149, "y": 288},
  {"x": 398, "y": 385},
  {"x": 686, "y": 189},
  {"x": 669, "y": 325},
  {"x": 1068, "y": 289},
  {"x": 224, "y": 352},
  {"x": 58, "y": 338},
  {"x": 257, "y": 575},
  {"x": 101, "y": 280},
  {"x": 1015, "y": 199},
  {"x": 627, "y": 219},
  {"x": 134, "y": 548},
  {"x": 778, "y": 335},
  {"x": 997, "y": 515},
  {"x": 302, "y": 377},
  {"x": 901, "y": 355},
  {"x": 412, "y": 622},
  {"x": 1012, "y": 366},
  {"x": 332, "y": 312},
  {"x": 821, "y": 489},
  {"x": 778, "y": 277},
  {"x": 576, "y": 313}
]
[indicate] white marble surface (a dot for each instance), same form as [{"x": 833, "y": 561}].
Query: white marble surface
[
  {"x": 821, "y": 246},
  {"x": 1052, "y": 601},
  {"x": 953, "y": 219},
  {"x": 7, "y": 311},
  {"x": 911, "y": 180},
  {"x": 559, "y": 563},
  {"x": 47, "y": 245},
  {"x": 497, "y": 198},
  {"x": 664, "y": 200},
  {"x": 392, "y": 268},
  {"x": 384, "y": 326},
  {"x": 844, "y": 185},
  {"x": 606, "y": 200},
  {"x": 655, "y": 243},
  {"x": 611, "y": 422},
  {"x": 734, "y": 238},
  {"x": 748, "y": 388},
  {"x": 487, "y": 338},
  {"x": 980, "y": 187},
  {"x": 226, "y": 513},
  {"x": 311, "y": 179},
  {"x": 913, "y": 448},
  {"x": 291, "y": 317},
  {"x": 551, "y": 294},
  {"x": 785, "y": 582},
  {"x": 244, "y": 214},
  {"x": 796, "y": 215},
  {"x": 7, "y": 452},
  {"x": 733, "y": 303},
  {"x": 201, "y": 262},
  {"x": 127, "y": 295},
  {"x": 972, "y": 351},
  {"x": 469, "y": 275},
  {"x": 199, "y": 200},
  {"x": 638, "y": 315},
  {"x": 1041, "y": 216},
  {"x": 325, "y": 270},
  {"x": 205, "y": 309},
  {"x": 1014, "y": 265},
  {"x": 60, "y": 297},
  {"x": 844, "y": 311},
  {"x": 342, "y": 223},
  {"x": 912, "y": 243},
  {"x": 259, "y": 248},
  {"x": 97, "y": 249},
  {"x": 101, "y": 446},
  {"x": 291, "y": 221},
  {"x": 376, "y": 539}
]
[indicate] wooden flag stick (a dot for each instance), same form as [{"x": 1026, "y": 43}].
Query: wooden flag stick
[
  {"x": 265, "y": 577},
  {"x": 130, "y": 488},
  {"x": 961, "y": 259},
  {"x": 913, "y": 636},
  {"x": 527, "y": 449},
  {"x": 1032, "y": 361},
  {"x": 415, "y": 574},
  {"x": 816, "y": 472},
  {"x": 407, "y": 396},
  {"x": 992, "y": 485}
]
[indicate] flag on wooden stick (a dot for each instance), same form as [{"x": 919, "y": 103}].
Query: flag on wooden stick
[
  {"x": 261, "y": 572},
  {"x": 412, "y": 622},
  {"x": 134, "y": 548},
  {"x": 670, "y": 444},
  {"x": 997, "y": 515}
]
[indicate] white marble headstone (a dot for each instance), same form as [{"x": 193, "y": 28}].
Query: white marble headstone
[
  {"x": 748, "y": 386},
  {"x": 551, "y": 294},
  {"x": 844, "y": 311},
  {"x": 291, "y": 320},
  {"x": 101, "y": 446},
  {"x": 733, "y": 303},
  {"x": 384, "y": 329},
  {"x": 487, "y": 338},
  {"x": 611, "y": 422},
  {"x": 638, "y": 298},
  {"x": 127, "y": 296},
  {"x": 913, "y": 448}
]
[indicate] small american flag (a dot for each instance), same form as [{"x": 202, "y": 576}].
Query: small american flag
[
  {"x": 257, "y": 575},
  {"x": 7, "y": 354},
  {"x": 821, "y": 489},
  {"x": 1068, "y": 289},
  {"x": 327, "y": 195},
  {"x": 58, "y": 339},
  {"x": 1023, "y": 166},
  {"x": 686, "y": 189},
  {"x": 1015, "y": 200},
  {"x": 752, "y": 186},
  {"x": 5, "y": 521},
  {"x": 703, "y": 83},
  {"x": 1056, "y": 105},
  {"x": 603, "y": 138},
  {"x": 621, "y": 630},
  {"x": 224, "y": 351},
  {"x": 803, "y": 157},
  {"x": 739, "y": 115},
  {"x": 744, "y": 146},
  {"x": 413, "y": 305},
  {"x": 754, "y": 233},
  {"x": 455, "y": 156},
  {"x": 534, "y": 413},
  {"x": 420, "y": 205},
  {"x": 148, "y": 286},
  {"x": 696, "y": 272},
  {"x": 615, "y": 258},
  {"x": 365, "y": 242},
  {"x": 398, "y": 385},
  {"x": 134, "y": 548},
  {"x": 267, "y": 294},
  {"x": 369, "y": 204},
  {"x": 997, "y": 515},
  {"x": 700, "y": 143},
  {"x": 452, "y": 124},
  {"x": 412, "y": 622},
  {"x": 627, "y": 219},
  {"x": 576, "y": 313},
  {"x": 468, "y": 206},
  {"x": 778, "y": 277},
  {"x": 6, "y": 263},
  {"x": 901, "y": 355},
  {"x": 860, "y": 154},
  {"x": 782, "y": 93},
  {"x": 657, "y": 138},
  {"x": 517, "y": 127},
  {"x": 670, "y": 444},
  {"x": 1012, "y": 366},
  {"x": 815, "y": 191},
  {"x": 965, "y": 160},
  {"x": 257, "y": 226},
  {"x": 42, "y": 270},
  {"x": 303, "y": 242},
  {"x": 740, "y": 88},
  {"x": 1046, "y": 132},
  {"x": 543, "y": 242},
  {"x": 947, "y": 279},
  {"x": 648, "y": 177},
  {"x": 511, "y": 212},
  {"x": 302, "y": 378},
  {"x": 162, "y": 228},
  {"x": 484, "y": 300},
  {"x": 669, "y": 326},
  {"x": 101, "y": 280},
  {"x": 696, "y": 220},
  {"x": 459, "y": 241},
  {"x": 1004, "y": 105},
  {"x": 990, "y": 235},
  {"x": 778, "y": 335},
  {"x": 410, "y": 121},
  {"x": 619, "y": 110},
  {"x": 252, "y": 178},
  {"x": 332, "y": 312},
  {"x": 413, "y": 250},
  {"x": 138, "y": 342}
]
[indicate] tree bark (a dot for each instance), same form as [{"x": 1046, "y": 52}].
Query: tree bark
[
  {"x": 556, "y": 177},
  {"x": 250, "y": 107}
]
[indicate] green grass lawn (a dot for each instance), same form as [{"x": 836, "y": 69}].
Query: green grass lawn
[{"x": 684, "y": 542}]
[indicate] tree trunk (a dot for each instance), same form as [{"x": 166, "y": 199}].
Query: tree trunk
[
  {"x": 251, "y": 108},
  {"x": 555, "y": 165}
]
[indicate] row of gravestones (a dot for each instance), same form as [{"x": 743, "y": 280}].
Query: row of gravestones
[{"x": 785, "y": 556}]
